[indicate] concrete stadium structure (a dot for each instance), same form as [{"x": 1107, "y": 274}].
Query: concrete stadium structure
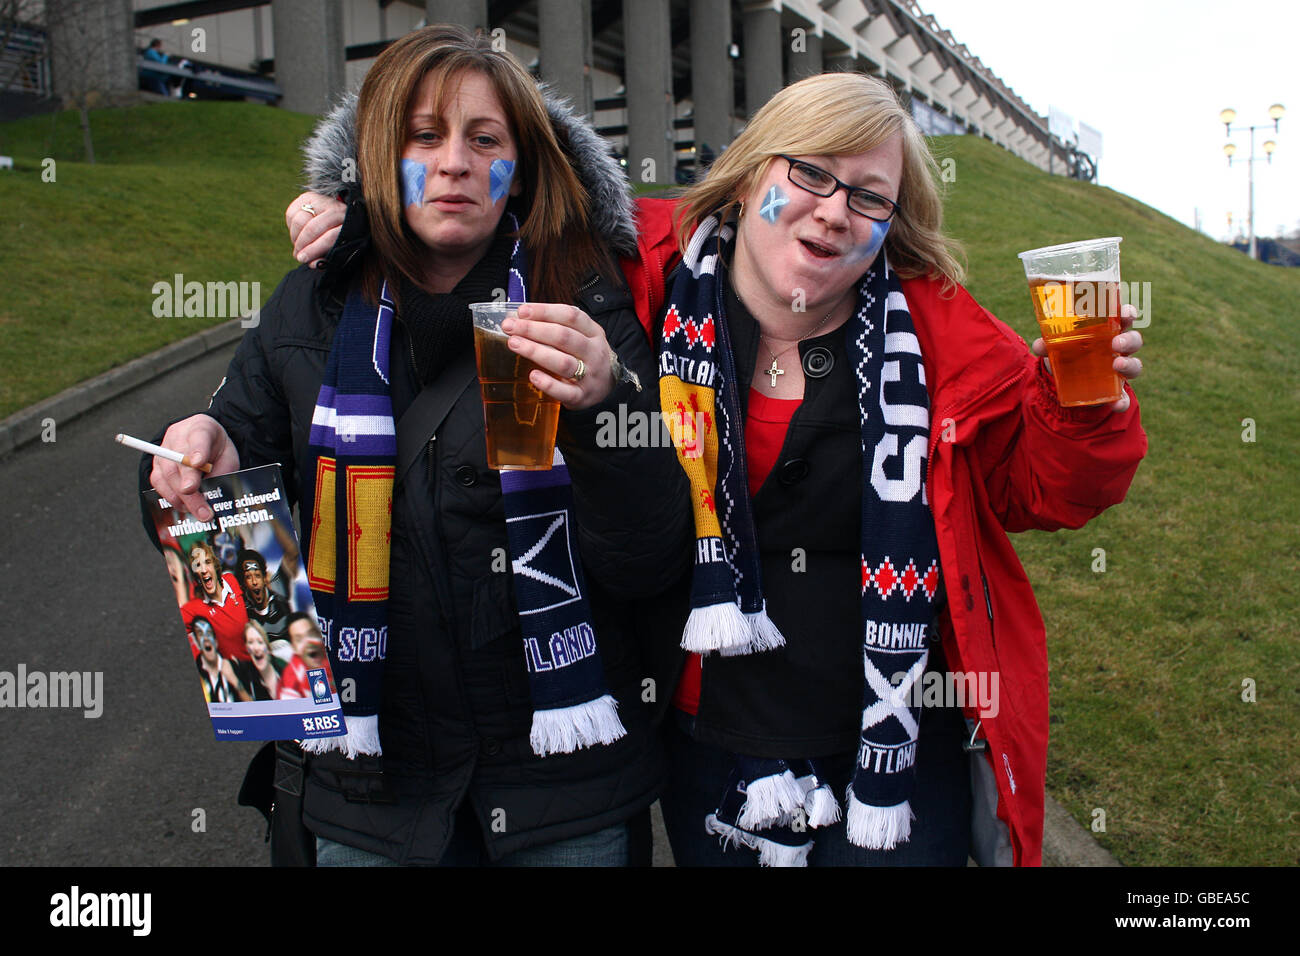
[{"x": 659, "y": 77}]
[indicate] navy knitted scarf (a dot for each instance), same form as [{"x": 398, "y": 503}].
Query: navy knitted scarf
[
  {"x": 899, "y": 552},
  {"x": 354, "y": 442}
]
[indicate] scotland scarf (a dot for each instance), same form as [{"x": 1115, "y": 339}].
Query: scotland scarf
[
  {"x": 353, "y": 439},
  {"x": 899, "y": 552}
]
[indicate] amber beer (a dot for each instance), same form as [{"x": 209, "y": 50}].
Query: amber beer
[
  {"x": 1078, "y": 318},
  {"x": 1075, "y": 291},
  {"x": 518, "y": 420}
]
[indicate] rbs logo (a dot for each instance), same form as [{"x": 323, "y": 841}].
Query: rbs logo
[{"x": 315, "y": 724}]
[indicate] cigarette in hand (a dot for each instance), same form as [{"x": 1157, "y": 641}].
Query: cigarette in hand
[{"x": 151, "y": 449}]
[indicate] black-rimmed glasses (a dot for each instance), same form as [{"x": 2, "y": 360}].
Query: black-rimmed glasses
[{"x": 819, "y": 182}]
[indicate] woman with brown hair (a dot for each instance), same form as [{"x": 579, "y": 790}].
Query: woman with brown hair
[{"x": 459, "y": 749}]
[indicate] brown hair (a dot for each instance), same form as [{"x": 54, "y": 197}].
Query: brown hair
[
  {"x": 836, "y": 114},
  {"x": 554, "y": 221}
]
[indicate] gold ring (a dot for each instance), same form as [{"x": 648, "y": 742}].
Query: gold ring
[
  {"x": 580, "y": 371},
  {"x": 308, "y": 208}
]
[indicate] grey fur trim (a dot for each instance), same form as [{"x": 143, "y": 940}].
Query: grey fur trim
[{"x": 331, "y": 152}]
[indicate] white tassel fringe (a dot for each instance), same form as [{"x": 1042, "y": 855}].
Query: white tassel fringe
[
  {"x": 717, "y": 627},
  {"x": 562, "y": 730},
  {"x": 766, "y": 635},
  {"x": 770, "y": 801},
  {"x": 362, "y": 738},
  {"x": 770, "y": 853},
  {"x": 878, "y": 828},
  {"x": 821, "y": 807}
]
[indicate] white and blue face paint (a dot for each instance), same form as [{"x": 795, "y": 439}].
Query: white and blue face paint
[
  {"x": 869, "y": 248},
  {"x": 412, "y": 183},
  {"x": 772, "y": 203},
  {"x": 502, "y": 172}
]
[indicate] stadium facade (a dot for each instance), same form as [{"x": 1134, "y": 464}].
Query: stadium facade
[{"x": 662, "y": 78}]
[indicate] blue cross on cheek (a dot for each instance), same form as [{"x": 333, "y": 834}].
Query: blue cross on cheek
[{"x": 772, "y": 205}]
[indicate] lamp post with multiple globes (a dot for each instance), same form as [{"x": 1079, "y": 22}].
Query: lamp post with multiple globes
[{"x": 1275, "y": 113}]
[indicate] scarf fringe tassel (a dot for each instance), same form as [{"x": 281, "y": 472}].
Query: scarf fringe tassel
[
  {"x": 764, "y": 634},
  {"x": 562, "y": 730},
  {"x": 878, "y": 828},
  {"x": 821, "y": 807},
  {"x": 770, "y": 853},
  {"x": 770, "y": 801},
  {"x": 717, "y": 627},
  {"x": 362, "y": 738}
]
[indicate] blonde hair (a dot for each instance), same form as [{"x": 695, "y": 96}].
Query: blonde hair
[
  {"x": 256, "y": 626},
  {"x": 836, "y": 114},
  {"x": 554, "y": 220}
]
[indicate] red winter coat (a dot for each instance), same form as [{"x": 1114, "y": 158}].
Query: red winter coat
[{"x": 1004, "y": 456}]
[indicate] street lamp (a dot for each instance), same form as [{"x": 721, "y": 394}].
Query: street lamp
[{"x": 1275, "y": 113}]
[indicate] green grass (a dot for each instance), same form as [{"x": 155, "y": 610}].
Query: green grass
[
  {"x": 1148, "y": 658},
  {"x": 1199, "y": 592},
  {"x": 191, "y": 188}
]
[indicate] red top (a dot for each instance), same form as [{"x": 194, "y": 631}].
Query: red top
[
  {"x": 294, "y": 681},
  {"x": 227, "y": 615},
  {"x": 765, "y": 426}
]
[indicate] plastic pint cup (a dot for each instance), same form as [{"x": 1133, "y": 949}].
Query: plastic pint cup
[
  {"x": 1075, "y": 291},
  {"x": 518, "y": 420}
]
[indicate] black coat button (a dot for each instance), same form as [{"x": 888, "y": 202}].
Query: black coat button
[
  {"x": 794, "y": 470},
  {"x": 818, "y": 362},
  {"x": 965, "y": 582},
  {"x": 970, "y": 603},
  {"x": 467, "y": 476},
  {"x": 491, "y": 746}
]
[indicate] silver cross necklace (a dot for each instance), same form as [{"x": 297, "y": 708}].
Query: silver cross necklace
[{"x": 774, "y": 371}]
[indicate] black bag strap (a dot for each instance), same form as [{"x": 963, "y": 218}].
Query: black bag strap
[{"x": 420, "y": 422}]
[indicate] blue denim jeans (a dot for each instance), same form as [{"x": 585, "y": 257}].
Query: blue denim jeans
[
  {"x": 942, "y": 801},
  {"x": 608, "y": 847}
]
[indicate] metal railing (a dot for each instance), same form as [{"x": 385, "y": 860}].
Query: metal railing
[{"x": 24, "y": 60}]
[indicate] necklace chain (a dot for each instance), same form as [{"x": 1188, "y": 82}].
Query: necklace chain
[{"x": 775, "y": 370}]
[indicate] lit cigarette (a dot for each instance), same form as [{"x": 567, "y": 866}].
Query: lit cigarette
[{"x": 161, "y": 452}]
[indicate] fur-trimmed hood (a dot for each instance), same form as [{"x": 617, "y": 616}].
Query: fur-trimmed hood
[{"x": 332, "y": 149}]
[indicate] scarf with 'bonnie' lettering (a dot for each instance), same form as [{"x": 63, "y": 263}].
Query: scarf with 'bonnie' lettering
[{"x": 699, "y": 392}]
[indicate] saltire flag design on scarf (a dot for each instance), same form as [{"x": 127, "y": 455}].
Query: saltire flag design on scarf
[
  {"x": 354, "y": 441},
  {"x": 899, "y": 554},
  {"x": 571, "y": 707}
]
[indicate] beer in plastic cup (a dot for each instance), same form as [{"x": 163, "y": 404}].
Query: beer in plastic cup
[
  {"x": 518, "y": 420},
  {"x": 1075, "y": 291}
]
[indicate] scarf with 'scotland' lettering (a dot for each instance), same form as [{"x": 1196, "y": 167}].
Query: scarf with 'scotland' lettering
[
  {"x": 354, "y": 441},
  {"x": 769, "y": 804}
]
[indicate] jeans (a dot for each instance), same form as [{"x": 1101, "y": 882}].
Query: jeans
[
  {"x": 608, "y": 847},
  {"x": 941, "y": 801}
]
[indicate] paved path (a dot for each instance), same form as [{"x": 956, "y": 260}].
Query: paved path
[{"x": 83, "y": 590}]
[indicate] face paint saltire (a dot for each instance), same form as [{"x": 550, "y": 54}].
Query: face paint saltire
[
  {"x": 772, "y": 204},
  {"x": 412, "y": 183},
  {"x": 502, "y": 175},
  {"x": 869, "y": 248}
]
